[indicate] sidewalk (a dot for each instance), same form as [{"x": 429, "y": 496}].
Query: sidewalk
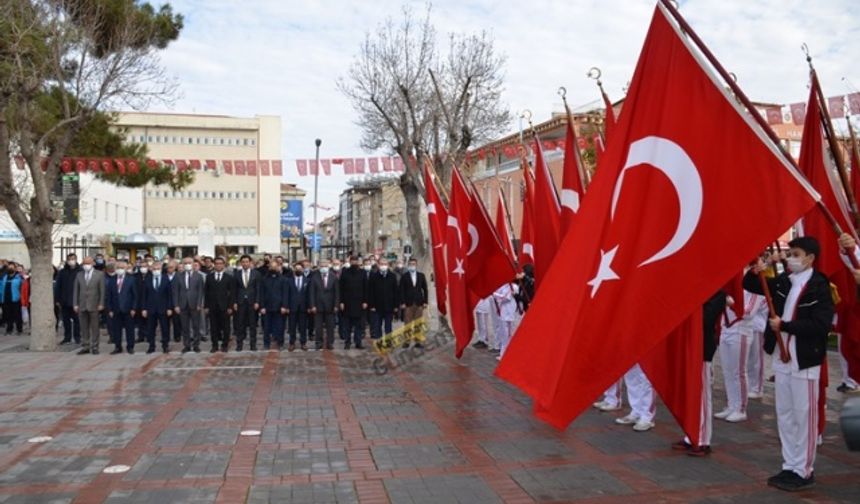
[{"x": 333, "y": 429}]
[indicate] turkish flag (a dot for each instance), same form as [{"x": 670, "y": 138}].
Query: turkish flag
[
  {"x": 639, "y": 259},
  {"x": 798, "y": 113},
  {"x": 488, "y": 265},
  {"x": 527, "y": 249},
  {"x": 373, "y": 164},
  {"x": 277, "y": 168},
  {"x": 855, "y": 163},
  {"x": 239, "y": 166},
  {"x": 816, "y": 164},
  {"x": 837, "y": 106},
  {"x": 195, "y": 164},
  {"x": 264, "y": 167},
  {"x": 326, "y": 166},
  {"x": 774, "y": 115},
  {"x": 228, "y": 167},
  {"x": 398, "y": 164},
  {"x": 359, "y": 165},
  {"x": 438, "y": 216},
  {"x": 456, "y": 242},
  {"x": 313, "y": 167},
  {"x": 547, "y": 216},
  {"x": 502, "y": 226},
  {"x": 572, "y": 187},
  {"x": 386, "y": 164},
  {"x": 348, "y": 167}
]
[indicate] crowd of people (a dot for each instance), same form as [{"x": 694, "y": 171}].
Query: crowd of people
[{"x": 202, "y": 299}]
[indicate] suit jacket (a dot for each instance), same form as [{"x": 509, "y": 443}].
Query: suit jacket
[
  {"x": 274, "y": 293},
  {"x": 157, "y": 301},
  {"x": 413, "y": 294},
  {"x": 64, "y": 287},
  {"x": 220, "y": 295},
  {"x": 251, "y": 293},
  {"x": 191, "y": 296},
  {"x": 125, "y": 300},
  {"x": 812, "y": 319},
  {"x": 88, "y": 296},
  {"x": 324, "y": 296},
  {"x": 299, "y": 295},
  {"x": 384, "y": 294},
  {"x": 353, "y": 291}
]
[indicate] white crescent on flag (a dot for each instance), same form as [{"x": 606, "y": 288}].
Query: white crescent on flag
[
  {"x": 473, "y": 238},
  {"x": 452, "y": 222},
  {"x": 570, "y": 199}
]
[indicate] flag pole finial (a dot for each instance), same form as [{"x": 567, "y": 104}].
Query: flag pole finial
[
  {"x": 595, "y": 73},
  {"x": 805, "y": 49},
  {"x": 562, "y": 91},
  {"x": 527, "y": 115}
]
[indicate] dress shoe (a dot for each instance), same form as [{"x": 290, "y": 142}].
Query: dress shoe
[
  {"x": 239, "y": 347},
  {"x": 699, "y": 451},
  {"x": 131, "y": 351},
  {"x": 479, "y": 344},
  {"x": 116, "y": 351},
  {"x": 196, "y": 349},
  {"x": 291, "y": 347},
  {"x": 304, "y": 347},
  {"x": 95, "y": 352},
  {"x": 83, "y": 351},
  {"x": 225, "y": 349},
  {"x": 186, "y": 350},
  {"x": 347, "y": 346},
  {"x": 204, "y": 339},
  {"x": 65, "y": 342},
  {"x": 253, "y": 348},
  {"x": 213, "y": 349},
  {"x": 359, "y": 346},
  {"x": 418, "y": 345},
  {"x": 682, "y": 445},
  {"x": 150, "y": 351},
  {"x": 329, "y": 347},
  {"x": 165, "y": 350}
]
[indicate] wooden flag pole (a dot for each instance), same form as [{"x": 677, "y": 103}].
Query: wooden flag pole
[
  {"x": 580, "y": 167},
  {"x": 784, "y": 355}
]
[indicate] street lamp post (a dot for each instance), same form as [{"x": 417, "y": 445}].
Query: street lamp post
[{"x": 317, "y": 142}]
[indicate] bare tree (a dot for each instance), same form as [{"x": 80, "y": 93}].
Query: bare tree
[
  {"x": 63, "y": 63},
  {"x": 424, "y": 104}
]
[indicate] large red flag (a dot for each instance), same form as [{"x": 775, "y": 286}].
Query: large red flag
[
  {"x": 527, "y": 249},
  {"x": 609, "y": 119},
  {"x": 546, "y": 216},
  {"x": 572, "y": 187},
  {"x": 640, "y": 258},
  {"x": 502, "y": 226},
  {"x": 816, "y": 165},
  {"x": 438, "y": 216},
  {"x": 488, "y": 265},
  {"x": 456, "y": 242}
]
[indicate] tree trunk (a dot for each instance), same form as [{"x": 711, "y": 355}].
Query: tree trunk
[
  {"x": 413, "y": 218},
  {"x": 43, "y": 336}
]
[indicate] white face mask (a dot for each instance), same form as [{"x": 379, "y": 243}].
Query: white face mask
[
  {"x": 120, "y": 272},
  {"x": 795, "y": 264},
  {"x": 412, "y": 269},
  {"x": 186, "y": 267},
  {"x": 144, "y": 269},
  {"x": 156, "y": 272},
  {"x": 324, "y": 270},
  {"x": 383, "y": 268},
  {"x": 366, "y": 267},
  {"x": 72, "y": 264},
  {"x": 88, "y": 267},
  {"x": 336, "y": 267}
]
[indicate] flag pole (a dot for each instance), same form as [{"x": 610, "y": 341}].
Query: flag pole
[
  {"x": 595, "y": 74},
  {"x": 435, "y": 176},
  {"x": 580, "y": 168},
  {"x": 745, "y": 101},
  {"x": 508, "y": 218},
  {"x": 784, "y": 356}
]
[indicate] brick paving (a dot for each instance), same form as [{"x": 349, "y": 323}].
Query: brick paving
[{"x": 334, "y": 430}]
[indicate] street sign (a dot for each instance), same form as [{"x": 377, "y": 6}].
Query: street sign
[
  {"x": 65, "y": 199},
  {"x": 314, "y": 241},
  {"x": 407, "y": 250}
]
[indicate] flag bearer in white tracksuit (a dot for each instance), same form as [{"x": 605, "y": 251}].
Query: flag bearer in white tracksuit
[
  {"x": 504, "y": 307},
  {"x": 482, "y": 321},
  {"x": 804, "y": 314},
  {"x": 642, "y": 399},
  {"x": 755, "y": 363},
  {"x": 735, "y": 343},
  {"x": 612, "y": 398}
]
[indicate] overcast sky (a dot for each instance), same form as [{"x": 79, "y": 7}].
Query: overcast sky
[{"x": 283, "y": 57}]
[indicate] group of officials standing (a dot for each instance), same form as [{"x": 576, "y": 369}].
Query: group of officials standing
[{"x": 307, "y": 303}]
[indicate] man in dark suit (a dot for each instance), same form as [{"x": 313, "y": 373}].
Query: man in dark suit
[
  {"x": 63, "y": 297},
  {"x": 188, "y": 296},
  {"x": 299, "y": 290},
  {"x": 220, "y": 296},
  {"x": 175, "y": 320},
  {"x": 247, "y": 280},
  {"x": 383, "y": 299},
  {"x": 157, "y": 307},
  {"x": 274, "y": 305},
  {"x": 123, "y": 301},
  {"x": 413, "y": 294},
  {"x": 324, "y": 300},
  {"x": 353, "y": 303}
]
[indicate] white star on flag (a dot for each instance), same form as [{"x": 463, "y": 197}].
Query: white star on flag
[
  {"x": 604, "y": 271},
  {"x": 459, "y": 268}
]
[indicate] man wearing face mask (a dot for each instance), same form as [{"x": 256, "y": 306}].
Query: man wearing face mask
[
  {"x": 89, "y": 299},
  {"x": 99, "y": 263},
  {"x": 353, "y": 303},
  {"x": 174, "y": 319},
  {"x": 157, "y": 307},
  {"x": 188, "y": 296},
  {"x": 324, "y": 299},
  {"x": 274, "y": 305},
  {"x": 309, "y": 271},
  {"x": 219, "y": 299},
  {"x": 122, "y": 304},
  {"x": 141, "y": 276},
  {"x": 64, "y": 291},
  {"x": 413, "y": 294},
  {"x": 337, "y": 269},
  {"x": 383, "y": 300},
  {"x": 804, "y": 314},
  {"x": 11, "y": 283},
  {"x": 299, "y": 290},
  {"x": 247, "y": 303}
]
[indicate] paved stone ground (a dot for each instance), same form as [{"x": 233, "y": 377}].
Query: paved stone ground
[{"x": 333, "y": 430}]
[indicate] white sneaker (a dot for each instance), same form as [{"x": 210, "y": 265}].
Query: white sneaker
[
  {"x": 643, "y": 426},
  {"x": 755, "y": 395},
  {"x": 599, "y": 404},
  {"x": 608, "y": 407},
  {"x": 723, "y": 414},
  {"x": 627, "y": 420},
  {"x": 736, "y": 416}
]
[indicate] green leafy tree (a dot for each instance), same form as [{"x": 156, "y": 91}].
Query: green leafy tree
[{"x": 63, "y": 65}]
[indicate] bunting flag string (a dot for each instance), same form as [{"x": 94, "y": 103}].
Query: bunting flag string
[{"x": 251, "y": 167}]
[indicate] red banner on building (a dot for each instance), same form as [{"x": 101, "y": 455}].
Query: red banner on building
[
  {"x": 251, "y": 167},
  {"x": 277, "y": 168},
  {"x": 239, "y": 167},
  {"x": 302, "y": 167},
  {"x": 228, "y": 167},
  {"x": 264, "y": 168},
  {"x": 798, "y": 113},
  {"x": 359, "y": 165},
  {"x": 386, "y": 164},
  {"x": 326, "y": 166}
]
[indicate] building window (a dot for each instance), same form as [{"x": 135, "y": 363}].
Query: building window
[
  {"x": 190, "y": 140},
  {"x": 221, "y": 195},
  {"x": 221, "y": 141},
  {"x": 172, "y": 139},
  {"x": 253, "y": 142},
  {"x": 126, "y": 214},
  {"x": 149, "y": 139},
  {"x": 157, "y": 138},
  {"x": 245, "y": 142},
  {"x": 95, "y": 208},
  {"x": 229, "y": 141},
  {"x": 116, "y": 213},
  {"x": 107, "y": 211}
]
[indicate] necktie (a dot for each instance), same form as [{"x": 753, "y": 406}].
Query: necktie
[
  {"x": 157, "y": 282},
  {"x": 187, "y": 278},
  {"x": 245, "y": 278},
  {"x": 217, "y": 277},
  {"x": 325, "y": 280},
  {"x": 119, "y": 285},
  {"x": 299, "y": 283},
  {"x": 88, "y": 277}
]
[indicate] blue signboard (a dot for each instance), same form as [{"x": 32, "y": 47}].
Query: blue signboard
[
  {"x": 291, "y": 219},
  {"x": 314, "y": 241}
]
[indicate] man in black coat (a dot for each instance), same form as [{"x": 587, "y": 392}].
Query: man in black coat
[
  {"x": 353, "y": 302},
  {"x": 299, "y": 290},
  {"x": 383, "y": 299},
  {"x": 63, "y": 297},
  {"x": 804, "y": 316},
  {"x": 274, "y": 305},
  {"x": 324, "y": 298},
  {"x": 247, "y": 303},
  {"x": 413, "y": 294},
  {"x": 220, "y": 295}
]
